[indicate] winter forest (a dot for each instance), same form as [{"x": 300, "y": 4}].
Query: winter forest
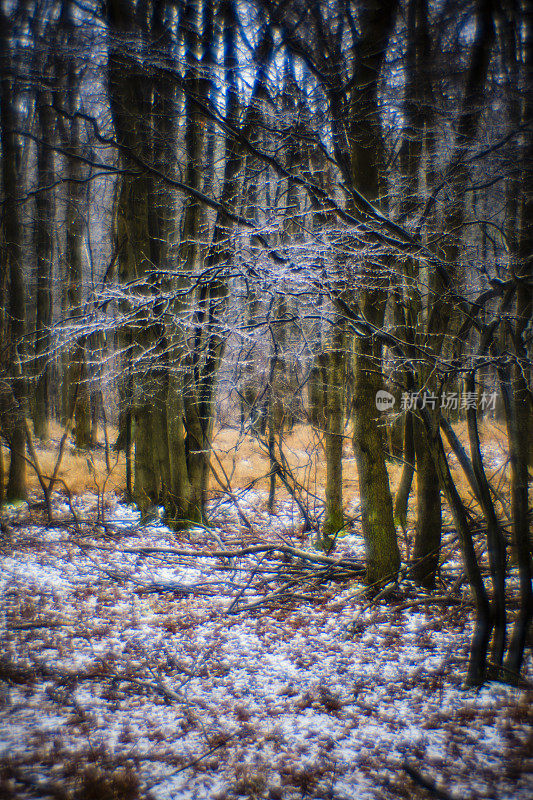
[{"x": 266, "y": 402}]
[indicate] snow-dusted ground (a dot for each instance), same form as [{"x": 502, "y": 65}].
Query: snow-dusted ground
[{"x": 124, "y": 669}]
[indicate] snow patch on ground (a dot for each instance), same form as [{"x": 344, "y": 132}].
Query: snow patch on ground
[{"x": 133, "y": 655}]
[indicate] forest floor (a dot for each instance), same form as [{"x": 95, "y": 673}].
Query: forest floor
[{"x": 136, "y": 663}]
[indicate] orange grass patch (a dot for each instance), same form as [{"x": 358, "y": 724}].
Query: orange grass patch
[{"x": 240, "y": 460}]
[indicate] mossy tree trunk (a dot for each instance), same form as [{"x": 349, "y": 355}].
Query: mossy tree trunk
[
  {"x": 381, "y": 545},
  {"x": 364, "y": 172},
  {"x": 334, "y": 517},
  {"x": 142, "y": 109}
]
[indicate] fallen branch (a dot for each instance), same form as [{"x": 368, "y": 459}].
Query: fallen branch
[{"x": 356, "y": 567}]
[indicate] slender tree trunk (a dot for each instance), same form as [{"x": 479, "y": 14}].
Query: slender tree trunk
[
  {"x": 401, "y": 502},
  {"x": 44, "y": 247},
  {"x": 495, "y": 538},
  {"x": 78, "y": 379},
  {"x": 178, "y": 507},
  {"x": 13, "y": 264},
  {"x": 334, "y": 518},
  {"x": 426, "y": 550},
  {"x": 78, "y": 397},
  {"x": 518, "y": 422},
  {"x": 272, "y": 427},
  {"x": 480, "y": 640}
]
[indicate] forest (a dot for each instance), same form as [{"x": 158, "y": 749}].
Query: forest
[{"x": 266, "y": 399}]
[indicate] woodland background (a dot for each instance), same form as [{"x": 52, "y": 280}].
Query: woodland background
[{"x": 225, "y": 227}]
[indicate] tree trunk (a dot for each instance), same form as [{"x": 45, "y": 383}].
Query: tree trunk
[
  {"x": 518, "y": 401},
  {"x": 365, "y": 174},
  {"x": 145, "y": 487},
  {"x": 13, "y": 264},
  {"x": 45, "y": 208},
  {"x": 178, "y": 508},
  {"x": 78, "y": 397},
  {"x": 429, "y": 515},
  {"x": 480, "y": 640},
  {"x": 401, "y": 503},
  {"x": 381, "y": 545},
  {"x": 495, "y": 537},
  {"x": 334, "y": 518},
  {"x": 518, "y": 418},
  {"x": 142, "y": 112}
]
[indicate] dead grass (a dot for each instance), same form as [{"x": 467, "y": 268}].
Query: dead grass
[
  {"x": 81, "y": 471},
  {"x": 241, "y": 461},
  {"x": 245, "y": 462}
]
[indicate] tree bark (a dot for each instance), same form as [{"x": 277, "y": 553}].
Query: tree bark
[
  {"x": 45, "y": 208},
  {"x": 142, "y": 113},
  {"x": 381, "y": 545},
  {"x": 518, "y": 395},
  {"x": 334, "y": 517},
  {"x": 401, "y": 502},
  {"x": 365, "y": 174},
  {"x": 495, "y": 538},
  {"x": 13, "y": 265},
  {"x": 426, "y": 549}
]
